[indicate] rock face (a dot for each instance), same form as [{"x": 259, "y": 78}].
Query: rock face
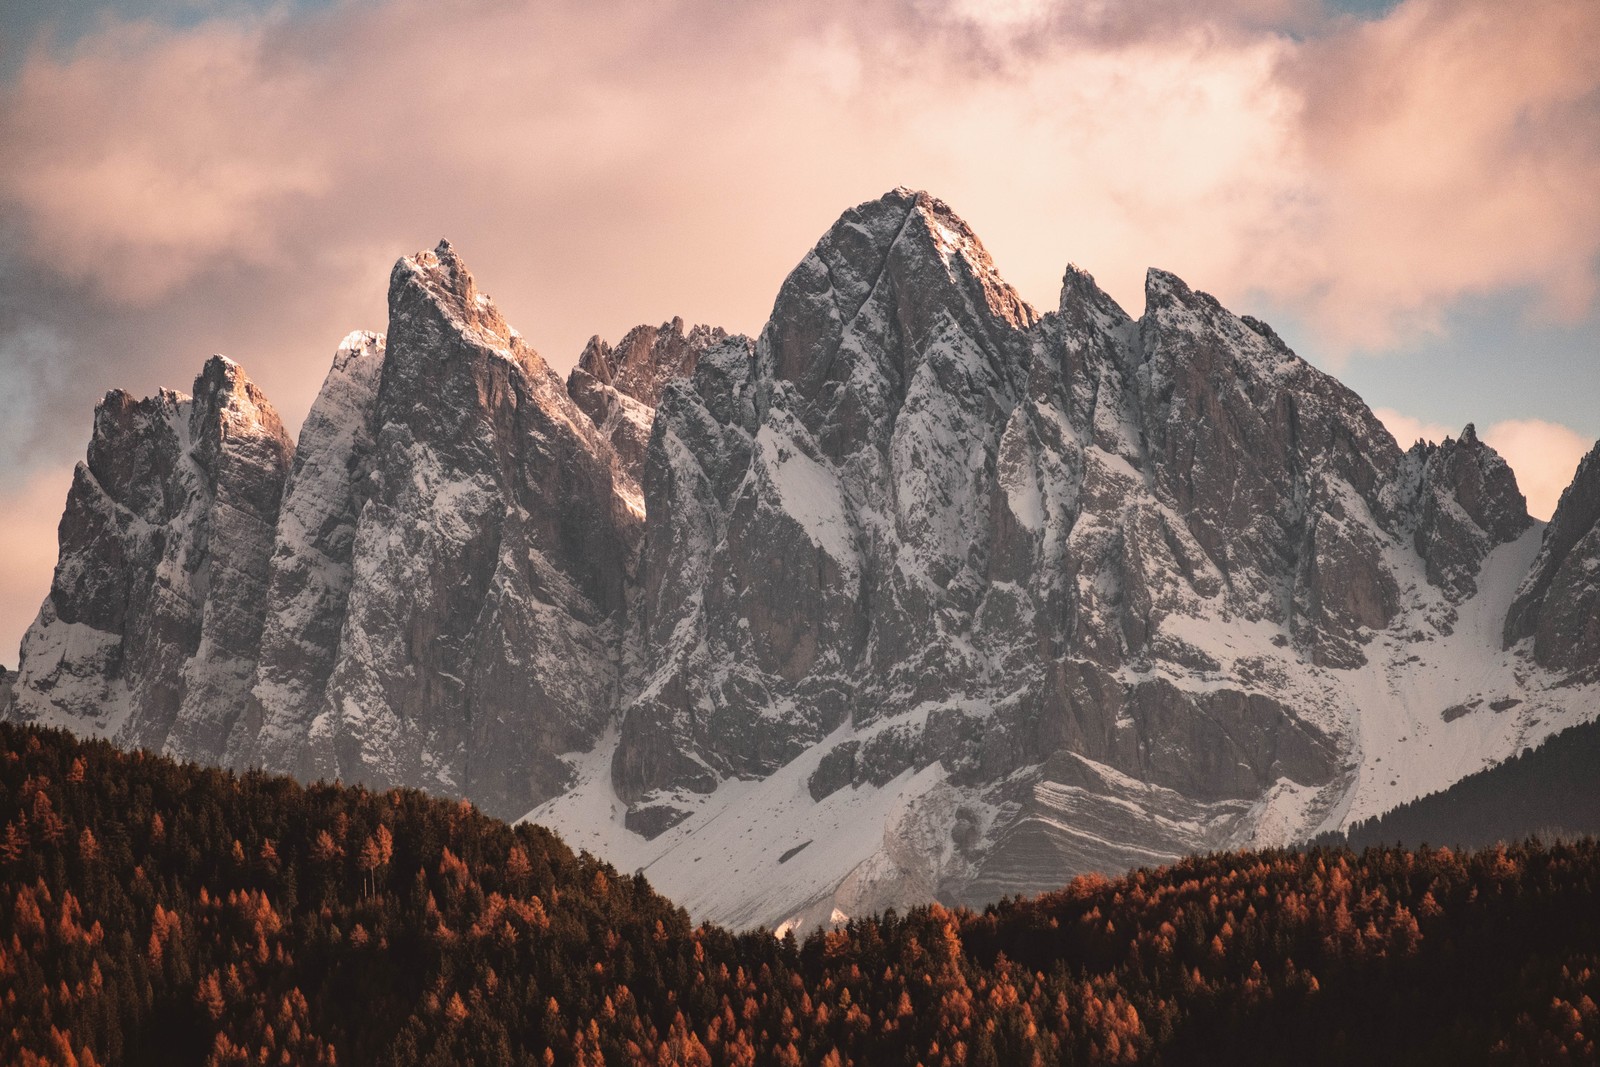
[
  {"x": 619, "y": 388},
  {"x": 1034, "y": 594},
  {"x": 312, "y": 562},
  {"x": 154, "y": 618},
  {"x": 937, "y": 596},
  {"x": 1467, "y": 501},
  {"x": 478, "y": 555},
  {"x": 1558, "y": 605}
]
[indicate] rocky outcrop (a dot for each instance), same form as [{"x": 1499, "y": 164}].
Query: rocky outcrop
[
  {"x": 1466, "y": 502},
  {"x": 1558, "y": 605},
  {"x": 646, "y": 359},
  {"x": 153, "y": 623},
  {"x": 790, "y": 481},
  {"x": 1119, "y": 581},
  {"x": 313, "y": 562},
  {"x": 619, "y": 388},
  {"x": 918, "y": 498},
  {"x": 480, "y": 635},
  {"x": 1276, "y": 468}
]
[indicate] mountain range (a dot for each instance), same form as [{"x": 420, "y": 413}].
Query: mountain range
[{"x": 920, "y": 594}]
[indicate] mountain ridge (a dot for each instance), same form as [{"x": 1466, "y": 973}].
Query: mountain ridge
[{"x": 979, "y": 596}]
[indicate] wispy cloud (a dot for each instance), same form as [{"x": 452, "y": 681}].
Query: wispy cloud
[{"x": 1364, "y": 173}]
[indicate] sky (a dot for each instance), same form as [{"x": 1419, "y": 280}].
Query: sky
[{"x": 1406, "y": 191}]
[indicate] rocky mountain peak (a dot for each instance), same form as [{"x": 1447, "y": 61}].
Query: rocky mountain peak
[
  {"x": 1175, "y": 309},
  {"x": 478, "y": 503},
  {"x": 229, "y": 407},
  {"x": 898, "y": 301},
  {"x": 1482, "y": 483},
  {"x": 646, "y": 359},
  {"x": 1467, "y": 502},
  {"x": 619, "y": 388},
  {"x": 440, "y": 280},
  {"x": 954, "y": 239},
  {"x": 964, "y": 598},
  {"x": 151, "y": 629},
  {"x": 1079, "y": 290}
]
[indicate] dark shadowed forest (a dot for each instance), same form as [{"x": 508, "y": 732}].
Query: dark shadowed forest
[
  {"x": 160, "y": 913},
  {"x": 1552, "y": 791}
]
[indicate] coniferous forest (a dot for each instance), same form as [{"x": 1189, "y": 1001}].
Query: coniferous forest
[
  {"x": 1552, "y": 791},
  {"x": 160, "y": 913}
]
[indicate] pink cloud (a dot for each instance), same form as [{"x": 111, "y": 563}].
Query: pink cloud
[
  {"x": 1450, "y": 148},
  {"x": 28, "y": 552},
  {"x": 1366, "y": 175}
]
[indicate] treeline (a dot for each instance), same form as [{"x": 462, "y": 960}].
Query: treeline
[
  {"x": 1552, "y": 791},
  {"x": 152, "y": 912}
]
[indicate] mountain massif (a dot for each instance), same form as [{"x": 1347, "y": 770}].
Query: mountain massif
[{"x": 921, "y": 594}]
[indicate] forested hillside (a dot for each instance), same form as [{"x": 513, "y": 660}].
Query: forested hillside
[
  {"x": 154, "y": 912},
  {"x": 1549, "y": 791}
]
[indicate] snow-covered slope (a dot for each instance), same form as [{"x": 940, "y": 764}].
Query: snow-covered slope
[{"x": 920, "y": 594}]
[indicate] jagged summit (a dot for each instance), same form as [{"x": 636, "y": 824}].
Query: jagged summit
[
  {"x": 441, "y": 278},
  {"x": 647, "y": 358},
  {"x": 619, "y": 388},
  {"x": 151, "y": 629},
  {"x": 917, "y": 594},
  {"x": 1466, "y": 503}
]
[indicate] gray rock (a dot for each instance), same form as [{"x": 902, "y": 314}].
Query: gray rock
[
  {"x": 1558, "y": 604},
  {"x": 1116, "y": 581},
  {"x": 1467, "y": 502},
  {"x": 619, "y": 388},
  {"x": 312, "y": 563},
  {"x": 152, "y": 626},
  {"x": 481, "y": 633}
]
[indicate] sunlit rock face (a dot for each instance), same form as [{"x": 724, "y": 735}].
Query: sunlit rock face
[
  {"x": 619, "y": 388},
  {"x": 479, "y": 555},
  {"x": 312, "y": 559},
  {"x": 920, "y": 593}
]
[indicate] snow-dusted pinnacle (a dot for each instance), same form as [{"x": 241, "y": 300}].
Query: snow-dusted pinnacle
[{"x": 153, "y": 622}]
